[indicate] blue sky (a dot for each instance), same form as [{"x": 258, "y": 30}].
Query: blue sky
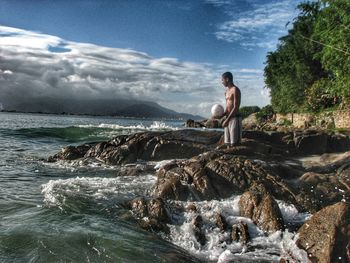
[{"x": 177, "y": 49}]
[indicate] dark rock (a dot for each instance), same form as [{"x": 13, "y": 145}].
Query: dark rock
[
  {"x": 318, "y": 190},
  {"x": 240, "y": 233},
  {"x": 151, "y": 213},
  {"x": 174, "y": 149},
  {"x": 327, "y": 163},
  {"x": 191, "y": 207},
  {"x": 214, "y": 176},
  {"x": 212, "y": 123},
  {"x": 197, "y": 223},
  {"x": 139, "y": 207},
  {"x": 189, "y": 143},
  {"x": 260, "y": 206},
  {"x": 170, "y": 187},
  {"x": 326, "y": 235},
  {"x": 311, "y": 143},
  {"x": 220, "y": 221},
  {"x": 338, "y": 143},
  {"x": 195, "y": 124},
  {"x": 71, "y": 153},
  {"x": 146, "y": 146},
  {"x": 156, "y": 209}
]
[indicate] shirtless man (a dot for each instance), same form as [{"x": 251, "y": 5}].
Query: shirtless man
[{"x": 233, "y": 122}]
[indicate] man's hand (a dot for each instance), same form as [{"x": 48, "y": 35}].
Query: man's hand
[{"x": 225, "y": 123}]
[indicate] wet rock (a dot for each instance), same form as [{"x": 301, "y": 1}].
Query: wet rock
[
  {"x": 71, "y": 153},
  {"x": 318, "y": 190},
  {"x": 326, "y": 235},
  {"x": 197, "y": 223},
  {"x": 156, "y": 209},
  {"x": 170, "y": 187},
  {"x": 236, "y": 174},
  {"x": 220, "y": 221},
  {"x": 338, "y": 143},
  {"x": 139, "y": 207},
  {"x": 258, "y": 205},
  {"x": 191, "y": 207},
  {"x": 207, "y": 123},
  {"x": 152, "y": 214},
  {"x": 312, "y": 142},
  {"x": 240, "y": 233},
  {"x": 212, "y": 123},
  {"x": 174, "y": 149},
  {"x": 215, "y": 176},
  {"x": 195, "y": 124},
  {"x": 327, "y": 163},
  {"x": 188, "y": 143},
  {"x": 146, "y": 146}
]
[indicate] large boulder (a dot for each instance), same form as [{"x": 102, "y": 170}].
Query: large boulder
[
  {"x": 324, "y": 189},
  {"x": 151, "y": 214},
  {"x": 71, "y": 152},
  {"x": 146, "y": 146},
  {"x": 251, "y": 122},
  {"x": 258, "y": 205},
  {"x": 311, "y": 142},
  {"x": 240, "y": 233},
  {"x": 326, "y": 235},
  {"x": 217, "y": 175}
]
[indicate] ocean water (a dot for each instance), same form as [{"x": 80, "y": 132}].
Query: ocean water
[{"x": 64, "y": 212}]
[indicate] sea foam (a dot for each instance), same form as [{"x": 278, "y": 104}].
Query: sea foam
[{"x": 218, "y": 247}]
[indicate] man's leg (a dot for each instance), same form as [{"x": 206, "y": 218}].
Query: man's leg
[
  {"x": 240, "y": 129},
  {"x": 236, "y": 131},
  {"x": 226, "y": 136},
  {"x": 231, "y": 131}
]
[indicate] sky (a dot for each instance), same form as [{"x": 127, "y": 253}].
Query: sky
[{"x": 172, "y": 52}]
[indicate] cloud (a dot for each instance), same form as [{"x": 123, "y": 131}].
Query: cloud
[
  {"x": 259, "y": 26},
  {"x": 35, "y": 65}
]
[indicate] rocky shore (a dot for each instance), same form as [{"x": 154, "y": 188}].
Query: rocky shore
[{"x": 309, "y": 169}]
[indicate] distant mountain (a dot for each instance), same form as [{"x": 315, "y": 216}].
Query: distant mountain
[{"x": 106, "y": 107}]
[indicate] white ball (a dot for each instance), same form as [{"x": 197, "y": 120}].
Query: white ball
[{"x": 217, "y": 111}]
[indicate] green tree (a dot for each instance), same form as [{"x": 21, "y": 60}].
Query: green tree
[
  {"x": 245, "y": 111},
  {"x": 332, "y": 32},
  {"x": 293, "y": 67}
]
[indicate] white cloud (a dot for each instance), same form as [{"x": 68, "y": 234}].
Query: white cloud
[
  {"x": 260, "y": 26},
  {"x": 31, "y": 68}
]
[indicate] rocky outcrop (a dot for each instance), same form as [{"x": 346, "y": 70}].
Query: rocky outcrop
[
  {"x": 151, "y": 214},
  {"x": 214, "y": 175},
  {"x": 240, "y": 233},
  {"x": 146, "y": 146},
  {"x": 155, "y": 146},
  {"x": 207, "y": 123},
  {"x": 71, "y": 152},
  {"x": 251, "y": 122},
  {"x": 266, "y": 166},
  {"x": 311, "y": 142},
  {"x": 197, "y": 224},
  {"x": 326, "y": 235},
  {"x": 220, "y": 222},
  {"x": 258, "y": 205}
]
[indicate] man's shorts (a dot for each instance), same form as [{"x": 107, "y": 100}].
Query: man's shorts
[{"x": 233, "y": 131}]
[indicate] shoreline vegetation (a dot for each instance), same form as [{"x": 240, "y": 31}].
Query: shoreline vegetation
[{"x": 309, "y": 72}]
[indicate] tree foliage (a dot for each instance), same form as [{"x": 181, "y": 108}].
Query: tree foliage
[
  {"x": 245, "y": 111},
  {"x": 310, "y": 70}
]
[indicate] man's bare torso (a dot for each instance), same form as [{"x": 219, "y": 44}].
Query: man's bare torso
[{"x": 230, "y": 97}]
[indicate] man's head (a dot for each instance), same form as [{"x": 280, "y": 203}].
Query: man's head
[{"x": 227, "y": 79}]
